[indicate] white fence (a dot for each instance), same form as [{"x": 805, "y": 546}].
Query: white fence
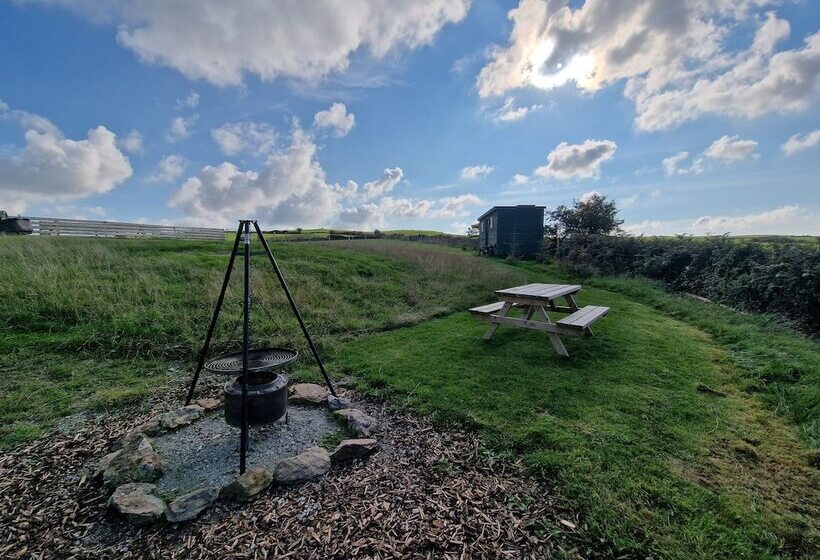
[{"x": 91, "y": 228}]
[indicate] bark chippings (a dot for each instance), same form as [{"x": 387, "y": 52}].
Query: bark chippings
[{"x": 426, "y": 494}]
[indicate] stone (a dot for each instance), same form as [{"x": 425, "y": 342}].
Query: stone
[
  {"x": 128, "y": 438},
  {"x": 189, "y": 506},
  {"x": 305, "y": 466},
  {"x": 180, "y": 417},
  {"x": 338, "y": 403},
  {"x": 135, "y": 462},
  {"x": 151, "y": 427},
  {"x": 308, "y": 393},
  {"x": 351, "y": 449},
  {"x": 247, "y": 485},
  {"x": 209, "y": 404},
  {"x": 104, "y": 463},
  {"x": 357, "y": 421},
  {"x": 137, "y": 503}
]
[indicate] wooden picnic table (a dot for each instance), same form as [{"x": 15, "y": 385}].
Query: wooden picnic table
[{"x": 535, "y": 300}]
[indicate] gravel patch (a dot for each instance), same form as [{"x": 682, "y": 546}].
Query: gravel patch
[{"x": 206, "y": 453}]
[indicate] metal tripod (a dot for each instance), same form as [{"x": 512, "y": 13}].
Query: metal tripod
[{"x": 245, "y": 229}]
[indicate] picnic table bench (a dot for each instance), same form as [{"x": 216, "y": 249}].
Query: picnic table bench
[{"x": 535, "y": 300}]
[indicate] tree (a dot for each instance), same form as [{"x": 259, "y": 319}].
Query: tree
[
  {"x": 473, "y": 230},
  {"x": 593, "y": 216}
]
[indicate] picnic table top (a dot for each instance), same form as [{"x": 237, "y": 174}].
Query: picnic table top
[{"x": 538, "y": 291}]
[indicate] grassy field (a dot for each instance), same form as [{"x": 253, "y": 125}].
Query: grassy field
[
  {"x": 92, "y": 324},
  {"x": 658, "y": 467}
]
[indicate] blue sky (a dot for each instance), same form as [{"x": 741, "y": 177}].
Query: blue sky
[{"x": 695, "y": 116}]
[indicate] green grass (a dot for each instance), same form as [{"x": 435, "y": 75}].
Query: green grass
[
  {"x": 658, "y": 468},
  {"x": 139, "y": 307}
]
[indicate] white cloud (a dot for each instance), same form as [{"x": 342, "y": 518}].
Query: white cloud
[
  {"x": 774, "y": 221},
  {"x": 459, "y": 228},
  {"x": 52, "y": 167},
  {"x": 191, "y": 101},
  {"x": 473, "y": 172},
  {"x": 384, "y": 184},
  {"x": 245, "y": 136},
  {"x": 798, "y": 143},
  {"x": 785, "y": 220},
  {"x": 291, "y": 190},
  {"x": 672, "y": 55},
  {"x": 377, "y": 215},
  {"x": 730, "y": 148},
  {"x": 627, "y": 201},
  {"x": 577, "y": 161},
  {"x": 336, "y": 119},
  {"x": 672, "y": 164},
  {"x": 519, "y": 179},
  {"x": 586, "y": 197},
  {"x": 179, "y": 128},
  {"x": 132, "y": 143},
  {"x": 168, "y": 169},
  {"x": 455, "y": 206},
  {"x": 509, "y": 112},
  {"x": 222, "y": 41},
  {"x": 726, "y": 149}
]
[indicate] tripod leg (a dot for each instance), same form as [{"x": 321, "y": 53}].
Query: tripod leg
[
  {"x": 294, "y": 309},
  {"x": 218, "y": 307},
  {"x": 243, "y": 442}
]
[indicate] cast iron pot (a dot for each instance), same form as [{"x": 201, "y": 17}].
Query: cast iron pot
[{"x": 267, "y": 401}]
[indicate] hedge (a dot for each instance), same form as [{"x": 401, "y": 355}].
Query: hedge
[{"x": 777, "y": 277}]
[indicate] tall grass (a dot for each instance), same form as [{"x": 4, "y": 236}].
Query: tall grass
[{"x": 139, "y": 306}]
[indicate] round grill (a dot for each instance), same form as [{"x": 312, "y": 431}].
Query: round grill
[{"x": 263, "y": 359}]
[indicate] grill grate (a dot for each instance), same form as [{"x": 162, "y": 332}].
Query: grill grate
[{"x": 263, "y": 359}]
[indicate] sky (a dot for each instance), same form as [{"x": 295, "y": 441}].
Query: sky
[{"x": 695, "y": 116}]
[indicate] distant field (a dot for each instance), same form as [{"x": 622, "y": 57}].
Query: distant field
[{"x": 657, "y": 467}]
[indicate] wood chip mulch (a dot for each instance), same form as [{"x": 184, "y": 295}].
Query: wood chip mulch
[{"x": 427, "y": 494}]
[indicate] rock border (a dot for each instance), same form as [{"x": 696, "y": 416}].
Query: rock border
[{"x": 134, "y": 464}]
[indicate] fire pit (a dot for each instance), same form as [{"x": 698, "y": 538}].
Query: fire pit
[
  {"x": 267, "y": 384},
  {"x": 259, "y": 394}
]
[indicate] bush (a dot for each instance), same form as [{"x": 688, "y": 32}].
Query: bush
[{"x": 780, "y": 278}]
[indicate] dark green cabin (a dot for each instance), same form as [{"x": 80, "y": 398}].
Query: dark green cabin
[{"x": 517, "y": 231}]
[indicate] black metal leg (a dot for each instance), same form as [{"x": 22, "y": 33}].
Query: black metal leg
[
  {"x": 294, "y": 308},
  {"x": 211, "y": 328},
  {"x": 243, "y": 443}
]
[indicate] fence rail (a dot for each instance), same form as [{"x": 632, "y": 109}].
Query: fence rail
[{"x": 91, "y": 228}]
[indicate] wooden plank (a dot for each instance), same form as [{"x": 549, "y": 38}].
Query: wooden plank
[
  {"x": 487, "y": 309},
  {"x": 578, "y": 316},
  {"x": 594, "y": 314},
  {"x": 538, "y": 291},
  {"x": 494, "y": 324},
  {"x": 584, "y": 317},
  {"x": 530, "y": 324},
  {"x": 557, "y": 343}
]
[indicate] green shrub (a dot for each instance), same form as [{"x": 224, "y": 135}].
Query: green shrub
[{"x": 779, "y": 278}]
